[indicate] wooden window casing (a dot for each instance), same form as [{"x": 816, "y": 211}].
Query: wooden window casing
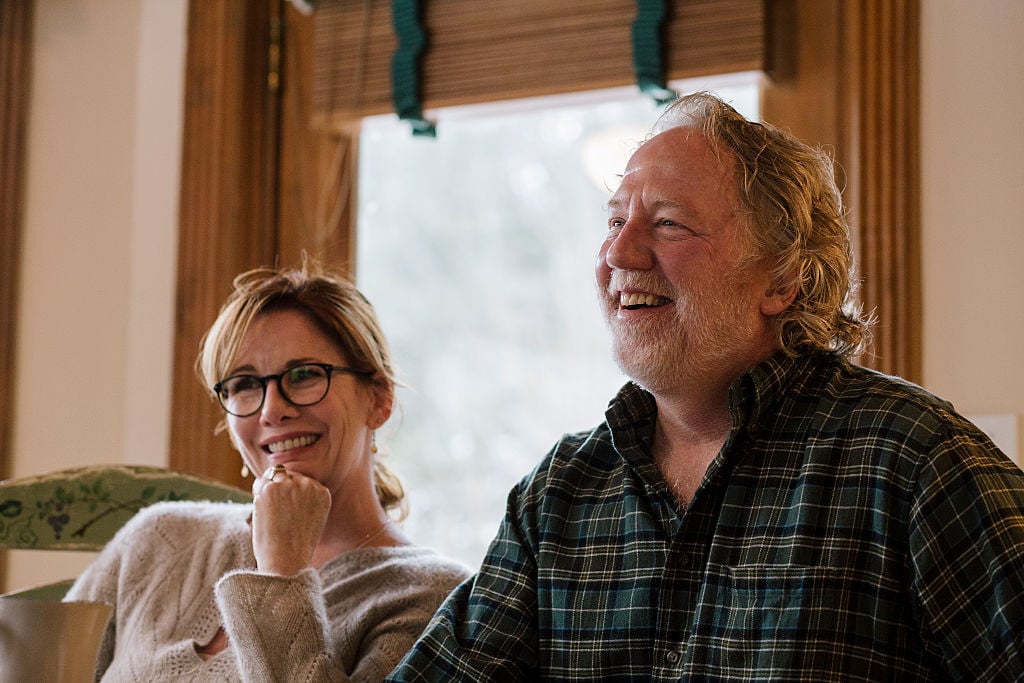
[
  {"x": 269, "y": 156},
  {"x": 270, "y": 171},
  {"x": 827, "y": 84},
  {"x": 845, "y": 75},
  {"x": 227, "y": 214}
]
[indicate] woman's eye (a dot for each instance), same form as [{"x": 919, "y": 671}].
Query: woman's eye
[
  {"x": 305, "y": 373},
  {"x": 242, "y": 384}
]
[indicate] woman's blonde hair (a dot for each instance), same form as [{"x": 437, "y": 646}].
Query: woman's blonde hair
[
  {"x": 796, "y": 223},
  {"x": 336, "y": 306}
]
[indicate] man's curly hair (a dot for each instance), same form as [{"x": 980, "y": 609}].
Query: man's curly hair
[{"x": 796, "y": 222}]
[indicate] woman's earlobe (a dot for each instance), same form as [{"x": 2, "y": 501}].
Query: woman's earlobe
[{"x": 384, "y": 403}]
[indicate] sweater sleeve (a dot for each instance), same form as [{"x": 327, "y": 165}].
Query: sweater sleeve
[
  {"x": 278, "y": 626},
  {"x": 353, "y": 624}
]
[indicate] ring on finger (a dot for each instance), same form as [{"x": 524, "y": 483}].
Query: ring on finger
[{"x": 276, "y": 470}]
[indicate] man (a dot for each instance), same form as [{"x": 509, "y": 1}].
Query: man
[{"x": 754, "y": 507}]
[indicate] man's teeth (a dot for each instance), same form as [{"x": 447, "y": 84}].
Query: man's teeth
[
  {"x": 289, "y": 444},
  {"x": 634, "y": 300}
]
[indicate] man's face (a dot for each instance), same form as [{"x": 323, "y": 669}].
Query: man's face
[{"x": 680, "y": 302}]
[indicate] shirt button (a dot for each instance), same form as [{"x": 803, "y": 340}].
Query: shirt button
[
  {"x": 672, "y": 657},
  {"x": 683, "y": 561}
]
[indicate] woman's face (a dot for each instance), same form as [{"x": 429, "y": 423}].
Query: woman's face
[{"x": 329, "y": 441}]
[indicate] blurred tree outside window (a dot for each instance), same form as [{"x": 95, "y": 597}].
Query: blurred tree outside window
[{"x": 477, "y": 249}]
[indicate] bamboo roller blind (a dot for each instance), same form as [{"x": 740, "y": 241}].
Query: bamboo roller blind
[{"x": 487, "y": 50}]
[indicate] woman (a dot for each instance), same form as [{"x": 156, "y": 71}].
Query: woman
[{"x": 313, "y": 581}]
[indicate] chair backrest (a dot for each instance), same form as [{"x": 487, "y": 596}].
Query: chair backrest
[{"x": 83, "y": 507}]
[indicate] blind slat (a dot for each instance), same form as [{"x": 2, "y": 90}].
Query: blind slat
[{"x": 480, "y": 52}]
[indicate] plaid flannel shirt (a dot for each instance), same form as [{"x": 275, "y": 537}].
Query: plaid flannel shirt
[{"x": 853, "y": 528}]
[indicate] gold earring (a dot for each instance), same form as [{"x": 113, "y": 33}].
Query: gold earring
[{"x": 373, "y": 443}]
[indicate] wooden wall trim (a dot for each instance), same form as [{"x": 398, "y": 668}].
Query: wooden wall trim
[
  {"x": 845, "y": 75},
  {"x": 879, "y": 100},
  {"x": 228, "y": 203},
  {"x": 15, "y": 79}
]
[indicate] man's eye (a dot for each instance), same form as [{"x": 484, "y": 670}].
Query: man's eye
[{"x": 675, "y": 225}]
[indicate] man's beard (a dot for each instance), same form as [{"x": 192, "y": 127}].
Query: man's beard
[{"x": 711, "y": 327}]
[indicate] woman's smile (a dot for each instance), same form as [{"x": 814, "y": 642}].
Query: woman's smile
[{"x": 291, "y": 443}]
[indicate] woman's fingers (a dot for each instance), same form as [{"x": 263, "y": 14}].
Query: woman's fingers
[{"x": 289, "y": 512}]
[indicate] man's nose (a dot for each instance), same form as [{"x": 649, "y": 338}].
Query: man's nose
[{"x": 630, "y": 247}]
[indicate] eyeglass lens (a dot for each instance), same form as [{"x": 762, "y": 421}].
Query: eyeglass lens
[{"x": 302, "y": 385}]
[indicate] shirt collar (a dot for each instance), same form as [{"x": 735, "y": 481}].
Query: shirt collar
[
  {"x": 751, "y": 397},
  {"x": 755, "y": 393},
  {"x": 631, "y": 416},
  {"x": 630, "y": 406}
]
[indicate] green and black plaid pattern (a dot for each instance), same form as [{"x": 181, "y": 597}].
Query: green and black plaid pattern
[{"x": 853, "y": 528}]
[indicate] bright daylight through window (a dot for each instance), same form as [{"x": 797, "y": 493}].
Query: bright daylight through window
[{"x": 477, "y": 249}]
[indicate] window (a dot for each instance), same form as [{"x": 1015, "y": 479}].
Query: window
[{"x": 477, "y": 249}]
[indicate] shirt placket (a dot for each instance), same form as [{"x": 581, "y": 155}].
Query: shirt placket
[{"x": 685, "y": 560}]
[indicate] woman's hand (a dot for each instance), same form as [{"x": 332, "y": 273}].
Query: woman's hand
[{"x": 289, "y": 513}]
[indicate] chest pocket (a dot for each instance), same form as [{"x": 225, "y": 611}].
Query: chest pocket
[{"x": 779, "y": 621}]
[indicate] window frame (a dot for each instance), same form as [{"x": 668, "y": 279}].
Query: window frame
[{"x": 825, "y": 85}]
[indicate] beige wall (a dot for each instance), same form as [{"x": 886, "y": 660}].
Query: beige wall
[
  {"x": 94, "y": 339},
  {"x": 972, "y": 162},
  {"x": 97, "y": 290}
]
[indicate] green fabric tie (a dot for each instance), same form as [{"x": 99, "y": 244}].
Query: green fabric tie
[
  {"x": 647, "y": 61},
  {"x": 405, "y": 66}
]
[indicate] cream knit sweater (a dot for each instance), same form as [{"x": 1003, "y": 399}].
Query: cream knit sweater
[{"x": 177, "y": 571}]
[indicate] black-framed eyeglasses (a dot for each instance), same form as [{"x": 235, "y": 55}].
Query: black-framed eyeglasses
[{"x": 301, "y": 385}]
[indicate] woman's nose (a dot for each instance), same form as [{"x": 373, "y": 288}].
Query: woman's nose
[{"x": 275, "y": 405}]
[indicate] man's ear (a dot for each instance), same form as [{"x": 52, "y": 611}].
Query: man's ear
[{"x": 778, "y": 298}]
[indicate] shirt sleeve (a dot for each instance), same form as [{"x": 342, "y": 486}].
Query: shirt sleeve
[
  {"x": 967, "y": 558},
  {"x": 487, "y": 627}
]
